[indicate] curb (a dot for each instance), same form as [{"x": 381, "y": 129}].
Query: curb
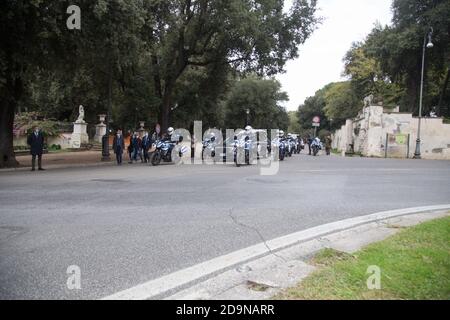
[{"x": 184, "y": 277}]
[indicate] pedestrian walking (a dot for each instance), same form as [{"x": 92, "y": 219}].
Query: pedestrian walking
[
  {"x": 136, "y": 145},
  {"x": 309, "y": 142},
  {"x": 119, "y": 146},
  {"x": 328, "y": 142},
  {"x": 36, "y": 142},
  {"x": 146, "y": 145}
]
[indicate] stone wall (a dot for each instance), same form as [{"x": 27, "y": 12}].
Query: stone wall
[
  {"x": 368, "y": 134},
  {"x": 63, "y": 139}
]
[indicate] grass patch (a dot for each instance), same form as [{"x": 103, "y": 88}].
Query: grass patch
[{"x": 415, "y": 264}]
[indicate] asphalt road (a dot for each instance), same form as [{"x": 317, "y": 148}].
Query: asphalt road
[{"x": 128, "y": 225}]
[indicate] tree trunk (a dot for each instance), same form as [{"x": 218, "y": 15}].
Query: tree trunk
[
  {"x": 7, "y": 157},
  {"x": 164, "y": 112}
]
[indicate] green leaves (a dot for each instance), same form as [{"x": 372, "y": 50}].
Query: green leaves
[{"x": 263, "y": 98}]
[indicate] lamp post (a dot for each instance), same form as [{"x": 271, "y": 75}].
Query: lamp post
[
  {"x": 426, "y": 45},
  {"x": 247, "y": 121}
]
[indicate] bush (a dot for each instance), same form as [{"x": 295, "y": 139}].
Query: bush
[{"x": 55, "y": 147}]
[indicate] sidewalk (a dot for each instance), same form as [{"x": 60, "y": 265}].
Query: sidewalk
[
  {"x": 63, "y": 160},
  {"x": 272, "y": 274}
]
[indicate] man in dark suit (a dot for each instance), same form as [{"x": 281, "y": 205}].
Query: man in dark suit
[
  {"x": 119, "y": 146},
  {"x": 146, "y": 145},
  {"x": 36, "y": 142}
]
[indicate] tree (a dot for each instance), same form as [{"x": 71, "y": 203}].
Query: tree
[
  {"x": 367, "y": 78},
  {"x": 313, "y": 106},
  {"x": 398, "y": 48},
  {"x": 29, "y": 39},
  {"x": 294, "y": 125},
  {"x": 248, "y": 35},
  {"x": 263, "y": 98},
  {"x": 341, "y": 102},
  {"x": 38, "y": 52}
]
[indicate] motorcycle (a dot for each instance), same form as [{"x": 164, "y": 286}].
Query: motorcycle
[
  {"x": 277, "y": 143},
  {"x": 163, "y": 152},
  {"x": 288, "y": 147},
  {"x": 316, "y": 147},
  {"x": 209, "y": 150}
]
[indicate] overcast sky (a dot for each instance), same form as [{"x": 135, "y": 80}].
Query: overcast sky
[{"x": 320, "y": 61}]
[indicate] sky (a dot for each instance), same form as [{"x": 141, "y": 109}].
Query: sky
[{"x": 320, "y": 60}]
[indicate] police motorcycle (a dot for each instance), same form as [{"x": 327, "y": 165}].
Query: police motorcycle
[
  {"x": 316, "y": 146},
  {"x": 168, "y": 149},
  {"x": 243, "y": 147},
  {"x": 278, "y": 143},
  {"x": 292, "y": 140},
  {"x": 288, "y": 145},
  {"x": 209, "y": 148}
]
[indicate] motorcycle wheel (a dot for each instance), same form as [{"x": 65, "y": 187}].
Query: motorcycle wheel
[
  {"x": 315, "y": 151},
  {"x": 156, "y": 158}
]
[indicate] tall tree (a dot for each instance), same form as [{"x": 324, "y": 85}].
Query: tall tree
[
  {"x": 398, "y": 48},
  {"x": 30, "y": 39},
  {"x": 263, "y": 98},
  {"x": 247, "y": 35}
]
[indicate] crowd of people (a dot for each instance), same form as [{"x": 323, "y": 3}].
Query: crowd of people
[{"x": 138, "y": 147}]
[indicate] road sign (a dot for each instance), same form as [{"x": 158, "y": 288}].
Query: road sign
[
  {"x": 316, "y": 119},
  {"x": 316, "y": 124}
]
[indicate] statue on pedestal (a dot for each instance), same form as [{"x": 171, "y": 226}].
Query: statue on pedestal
[{"x": 80, "y": 115}]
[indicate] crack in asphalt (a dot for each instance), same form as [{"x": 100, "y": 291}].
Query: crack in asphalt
[{"x": 235, "y": 220}]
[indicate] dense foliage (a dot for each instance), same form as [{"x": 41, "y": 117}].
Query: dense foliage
[
  {"x": 153, "y": 60},
  {"x": 388, "y": 65}
]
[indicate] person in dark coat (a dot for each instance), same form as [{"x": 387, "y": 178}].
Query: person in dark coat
[
  {"x": 146, "y": 145},
  {"x": 328, "y": 142},
  {"x": 119, "y": 146},
  {"x": 36, "y": 142},
  {"x": 309, "y": 141},
  {"x": 136, "y": 144}
]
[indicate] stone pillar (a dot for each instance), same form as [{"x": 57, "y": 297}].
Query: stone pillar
[
  {"x": 100, "y": 129},
  {"x": 79, "y": 135},
  {"x": 376, "y": 135}
]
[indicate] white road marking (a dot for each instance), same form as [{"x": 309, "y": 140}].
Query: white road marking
[{"x": 183, "y": 277}]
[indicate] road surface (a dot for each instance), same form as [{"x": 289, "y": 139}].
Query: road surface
[{"x": 123, "y": 226}]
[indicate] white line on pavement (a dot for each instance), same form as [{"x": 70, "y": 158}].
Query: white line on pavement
[{"x": 183, "y": 277}]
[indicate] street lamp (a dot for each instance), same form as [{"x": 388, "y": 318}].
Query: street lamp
[
  {"x": 248, "y": 116},
  {"x": 427, "y": 44}
]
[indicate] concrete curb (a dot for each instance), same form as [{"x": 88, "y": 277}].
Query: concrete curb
[{"x": 183, "y": 278}]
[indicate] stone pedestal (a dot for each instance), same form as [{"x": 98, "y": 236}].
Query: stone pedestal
[
  {"x": 79, "y": 135},
  {"x": 100, "y": 131}
]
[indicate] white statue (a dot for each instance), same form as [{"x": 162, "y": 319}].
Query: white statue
[
  {"x": 80, "y": 115},
  {"x": 368, "y": 100}
]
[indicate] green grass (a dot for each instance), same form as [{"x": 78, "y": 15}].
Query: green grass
[{"x": 415, "y": 264}]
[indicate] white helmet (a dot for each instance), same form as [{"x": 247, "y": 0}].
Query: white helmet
[
  {"x": 248, "y": 128},
  {"x": 280, "y": 133},
  {"x": 289, "y": 135},
  {"x": 170, "y": 131}
]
